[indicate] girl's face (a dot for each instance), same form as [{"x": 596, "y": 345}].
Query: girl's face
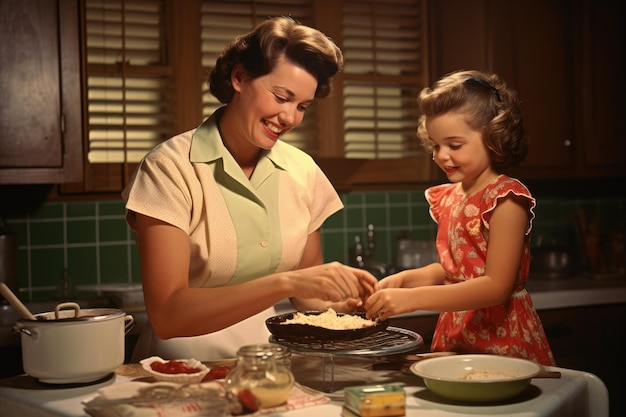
[
  {"x": 459, "y": 151},
  {"x": 273, "y": 104}
]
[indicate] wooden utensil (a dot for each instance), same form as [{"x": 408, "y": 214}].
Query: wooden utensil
[{"x": 15, "y": 302}]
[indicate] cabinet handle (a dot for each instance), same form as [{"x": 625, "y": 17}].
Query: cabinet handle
[{"x": 567, "y": 142}]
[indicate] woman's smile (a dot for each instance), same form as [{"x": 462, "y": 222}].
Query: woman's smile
[{"x": 273, "y": 130}]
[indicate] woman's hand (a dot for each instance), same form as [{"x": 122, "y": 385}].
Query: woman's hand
[
  {"x": 318, "y": 286},
  {"x": 332, "y": 283}
]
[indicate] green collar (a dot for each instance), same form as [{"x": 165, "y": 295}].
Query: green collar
[{"x": 207, "y": 145}]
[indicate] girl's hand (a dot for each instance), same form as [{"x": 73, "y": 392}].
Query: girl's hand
[
  {"x": 391, "y": 281},
  {"x": 390, "y": 302}
]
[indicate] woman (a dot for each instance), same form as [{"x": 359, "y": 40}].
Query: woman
[{"x": 227, "y": 216}]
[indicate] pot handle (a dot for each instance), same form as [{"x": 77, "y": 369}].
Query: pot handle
[
  {"x": 22, "y": 328},
  {"x": 129, "y": 323},
  {"x": 62, "y": 306},
  {"x": 27, "y": 332}
]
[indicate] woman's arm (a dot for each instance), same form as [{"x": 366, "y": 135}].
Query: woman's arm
[
  {"x": 508, "y": 224},
  {"x": 177, "y": 310}
]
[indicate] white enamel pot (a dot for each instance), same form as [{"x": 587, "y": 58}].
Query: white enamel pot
[{"x": 75, "y": 345}]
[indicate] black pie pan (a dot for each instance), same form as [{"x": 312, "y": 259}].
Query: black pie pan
[{"x": 307, "y": 332}]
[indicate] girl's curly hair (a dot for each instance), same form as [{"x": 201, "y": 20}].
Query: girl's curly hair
[
  {"x": 259, "y": 50},
  {"x": 488, "y": 106}
]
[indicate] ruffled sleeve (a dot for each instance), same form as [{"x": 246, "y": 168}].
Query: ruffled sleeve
[
  {"x": 498, "y": 191},
  {"x": 436, "y": 197}
]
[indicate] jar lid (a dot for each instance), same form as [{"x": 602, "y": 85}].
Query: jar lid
[{"x": 264, "y": 350}]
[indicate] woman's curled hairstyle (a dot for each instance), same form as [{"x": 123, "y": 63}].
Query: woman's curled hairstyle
[
  {"x": 258, "y": 51},
  {"x": 487, "y": 104}
]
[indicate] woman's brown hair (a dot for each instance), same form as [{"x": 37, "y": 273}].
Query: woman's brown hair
[{"x": 258, "y": 51}]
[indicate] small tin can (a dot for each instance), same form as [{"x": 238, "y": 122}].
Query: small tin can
[{"x": 375, "y": 400}]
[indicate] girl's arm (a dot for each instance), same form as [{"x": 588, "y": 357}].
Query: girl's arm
[
  {"x": 508, "y": 224},
  {"x": 432, "y": 274},
  {"x": 176, "y": 310}
]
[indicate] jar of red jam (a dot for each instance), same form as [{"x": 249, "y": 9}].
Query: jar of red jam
[{"x": 264, "y": 370}]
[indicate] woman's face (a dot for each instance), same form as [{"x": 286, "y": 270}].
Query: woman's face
[
  {"x": 459, "y": 151},
  {"x": 271, "y": 105}
]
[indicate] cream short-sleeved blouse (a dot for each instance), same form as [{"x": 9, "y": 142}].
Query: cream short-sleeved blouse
[{"x": 239, "y": 228}]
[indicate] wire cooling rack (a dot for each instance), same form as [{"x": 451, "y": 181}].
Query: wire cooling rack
[{"x": 391, "y": 341}]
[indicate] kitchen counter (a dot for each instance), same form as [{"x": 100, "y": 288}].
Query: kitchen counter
[
  {"x": 575, "y": 393},
  {"x": 577, "y": 291}
]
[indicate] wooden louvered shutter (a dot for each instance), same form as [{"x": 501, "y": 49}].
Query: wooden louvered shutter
[
  {"x": 384, "y": 49},
  {"x": 129, "y": 94},
  {"x": 147, "y": 64},
  {"x": 374, "y": 143}
]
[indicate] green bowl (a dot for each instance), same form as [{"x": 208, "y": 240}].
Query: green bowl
[{"x": 477, "y": 378}]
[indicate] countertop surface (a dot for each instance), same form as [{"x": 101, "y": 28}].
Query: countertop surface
[
  {"x": 574, "y": 393},
  {"x": 577, "y": 291}
]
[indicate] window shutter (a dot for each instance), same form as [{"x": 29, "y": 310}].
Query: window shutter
[
  {"x": 128, "y": 79},
  {"x": 147, "y": 63},
  {"x": 223, "y": 20},
  {"x": 384, "y": 49}
]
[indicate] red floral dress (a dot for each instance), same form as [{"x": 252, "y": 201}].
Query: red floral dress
[{"x": 510, "y": 329}]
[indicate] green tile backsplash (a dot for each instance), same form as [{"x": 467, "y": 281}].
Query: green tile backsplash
[{"x": 93, "y": 243}]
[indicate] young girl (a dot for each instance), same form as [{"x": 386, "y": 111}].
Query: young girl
[{"x": 472, "y": 122}]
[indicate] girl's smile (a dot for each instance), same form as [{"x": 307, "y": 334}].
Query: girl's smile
[{"x": 459, "y": 151}]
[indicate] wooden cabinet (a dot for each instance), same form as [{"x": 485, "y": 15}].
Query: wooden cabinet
[
  {"x": 532, "y": 49},
  {"x": 590, "y": 339},
  {"x": 603, "y": 86},
  {"x": 565, "y": 58},
  {"x": 40, "y": 118}
]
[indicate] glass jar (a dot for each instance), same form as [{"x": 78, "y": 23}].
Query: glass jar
[{"x": 264, "y": 370}]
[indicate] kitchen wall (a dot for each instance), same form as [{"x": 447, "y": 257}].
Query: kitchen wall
[{"x": 91, "y": 241}]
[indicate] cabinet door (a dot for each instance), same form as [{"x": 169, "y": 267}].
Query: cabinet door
[
  {"x": 566, "y": 60},
  {"x": 528, "y": 44},
  {"x": 604, "y": 47},
  {"x": 537, "y": 60},
  {"x": 40, "y": 134}
]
